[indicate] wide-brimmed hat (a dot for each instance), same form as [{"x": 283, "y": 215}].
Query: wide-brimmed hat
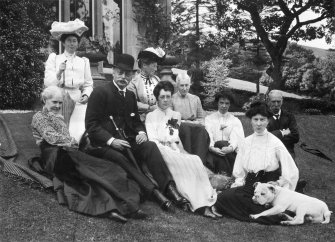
[
  {"x": 124, "y": 62},
  {"x": 154, "y": 54},
  {"x": 76, "y": 27}
]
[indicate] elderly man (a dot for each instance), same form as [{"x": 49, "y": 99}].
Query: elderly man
[
  {"x": 144, "y": 83},
  {"x": 188, "y": 105},
  {"x": 284, "y": 126},
  {"x": 112, "y": 110}
]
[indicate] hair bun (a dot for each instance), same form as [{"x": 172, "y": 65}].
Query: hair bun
[{"x": 257, "y": 103}]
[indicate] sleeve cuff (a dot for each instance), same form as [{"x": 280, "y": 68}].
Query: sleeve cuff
[
  {"x": 141, "y": 132},
  {"x": 109, "y": 142}
]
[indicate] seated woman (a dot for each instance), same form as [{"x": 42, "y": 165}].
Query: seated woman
[
  {"x": 225, "y": 132},
  {"x": 261, "y": 158},
  {"x": 187, "y": 170},
  {"x": 84, "y": 183}
]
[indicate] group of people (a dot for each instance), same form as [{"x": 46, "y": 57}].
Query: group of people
[{"x": 132, "y": 151}]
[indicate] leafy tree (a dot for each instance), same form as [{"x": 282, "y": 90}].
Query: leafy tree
[
  {"x": 23, "y": 34},
  {"x": 276, "y": 22}
]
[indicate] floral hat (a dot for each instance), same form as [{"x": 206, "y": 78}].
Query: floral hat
[
  {"x": 71, "y": 27},
  {"x": 154, "y": 54}
]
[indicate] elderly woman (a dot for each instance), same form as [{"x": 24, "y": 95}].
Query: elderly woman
[
  {"x": 71, "y": 72},
  {"x": 144, "y": 83},
  {"x": 261, "y": 158},
  {"x": 187, "y": 170},
  {"x": 225, "y": 132},
  {"x": 84, "y": 183}
]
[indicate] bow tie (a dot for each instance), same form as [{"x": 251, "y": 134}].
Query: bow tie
[{"x": 147, "y": 81}]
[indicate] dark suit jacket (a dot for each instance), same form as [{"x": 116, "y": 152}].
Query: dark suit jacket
[
  {"x": 286, "y": 120},
  {"x": 106, "y": 101}
]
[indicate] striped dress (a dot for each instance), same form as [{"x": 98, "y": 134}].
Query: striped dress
[{"x": 187, "y": 170}]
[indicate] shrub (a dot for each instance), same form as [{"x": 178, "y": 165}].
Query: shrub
[
  {"x": 23, "y": 34},
  {"x": 215, "y": 74}
]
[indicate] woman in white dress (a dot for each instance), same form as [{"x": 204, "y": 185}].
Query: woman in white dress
[
  {"x": 225, "y": 133},
  {"x": 187, "y": 170},
  {"x": 71, "y": 72},
  {"x": 262, "y": 157}
]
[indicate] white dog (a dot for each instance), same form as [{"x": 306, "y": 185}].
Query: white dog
[
  {"x": 171, "y": 137},
  {"x": 282, "y": 199}
]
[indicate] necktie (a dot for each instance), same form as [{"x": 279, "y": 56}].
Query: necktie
[{"x": 122, "y": 93}]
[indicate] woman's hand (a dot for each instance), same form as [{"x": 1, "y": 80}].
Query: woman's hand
[
  {"x": 62, "y": 68},
  {"x": 216, "y": 150},
  {"x": 83, "y": 99},
  {"x": 227, "y": 150}
]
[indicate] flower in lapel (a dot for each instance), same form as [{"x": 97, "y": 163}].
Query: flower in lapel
[{"x": 132, "y": 115}]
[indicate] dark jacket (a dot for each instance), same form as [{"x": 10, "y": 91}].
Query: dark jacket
[
  {"x": 286, "y": 120},
  {"x": 106, "y": 101}
]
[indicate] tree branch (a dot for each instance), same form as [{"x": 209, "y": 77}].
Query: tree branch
[
  {"x": 300, "y": 24},
  {"x": 284, "y": 8}
]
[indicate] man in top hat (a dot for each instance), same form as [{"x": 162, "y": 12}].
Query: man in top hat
[
  {"x": 114, "y": 101},
  {"x": 144, "y": 83}
]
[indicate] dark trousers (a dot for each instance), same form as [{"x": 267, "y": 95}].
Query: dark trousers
[{"x": 146, "y": 152}]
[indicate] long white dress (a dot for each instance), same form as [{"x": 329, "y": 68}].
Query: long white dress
[
  {"x": 78, "y": 82},
  {"x": 187, "y": 170}
]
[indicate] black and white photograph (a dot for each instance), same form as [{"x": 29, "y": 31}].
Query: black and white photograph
[{"x": 167, "y": 120}]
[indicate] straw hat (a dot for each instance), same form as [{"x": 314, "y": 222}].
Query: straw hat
[{"x": 154, "y": 54}]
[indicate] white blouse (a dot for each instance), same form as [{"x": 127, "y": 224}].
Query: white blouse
[
  {"x": 155, "y": 124},
  {"x": 265, "y": 152},
  {"x": 77, "y": 74},
  {"x": 224, "y": 127}
]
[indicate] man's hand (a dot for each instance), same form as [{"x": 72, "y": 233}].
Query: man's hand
[
  {"x": 83, "y": 99},
  {"x": 120, "y": 144},
  {"x": 216, "y": 150},
  {"x": 140, "y": 138},
  {"x": 285, "y": 131}
]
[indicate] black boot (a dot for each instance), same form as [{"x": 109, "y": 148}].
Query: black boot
[
  {"x": 173, "y": 194},
  {"x": 163, "y": 202}
]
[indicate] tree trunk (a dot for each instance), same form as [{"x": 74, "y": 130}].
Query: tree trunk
[
  {"x": 276, "y": 75},
  {"x": 197, "y": 29}
]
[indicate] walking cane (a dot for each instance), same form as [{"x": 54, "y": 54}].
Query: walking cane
[{"x": 131, "y": 157}]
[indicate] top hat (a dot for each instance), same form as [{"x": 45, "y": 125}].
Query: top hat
[
  {"x": 124, "y": 62},
  {"x": 76, "y": 27},
  {"x": 153, "y": 54}
]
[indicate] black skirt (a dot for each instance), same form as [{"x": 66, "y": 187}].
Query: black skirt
[
  {"x": 237, "y": 202},
  {"x": 89, "y": 185}
]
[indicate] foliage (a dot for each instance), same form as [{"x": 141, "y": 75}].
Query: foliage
[
  {"x": 23, "y": 34},
  {"x": 258, "y": 97},
  {"x": 275, "y": 22},
  {"x": 153, "y": 22},
  {"x": 215, "y": 72}
]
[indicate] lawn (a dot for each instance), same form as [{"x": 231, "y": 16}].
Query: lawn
[{"x": 34, "y": 215}]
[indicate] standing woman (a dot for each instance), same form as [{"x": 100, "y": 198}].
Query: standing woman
[
  {"x": 71, "y": 72},
  {"x": 261, "y": 158},
  {"x": 225, "y": 132},
  {"x": 187, "y": 170}
]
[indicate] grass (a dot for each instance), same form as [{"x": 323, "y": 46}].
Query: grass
[{"x": 35, "y": 215}]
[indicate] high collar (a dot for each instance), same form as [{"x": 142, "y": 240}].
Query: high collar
[
  {"x": 279, "y": 113},
  {"x": 119, "y": 89},
  {"x": 226, "y": 115},
  {"x": 261, "y": 134},
  {"x": 166, "y": 111},
  {"x": 68, "y": 55}
]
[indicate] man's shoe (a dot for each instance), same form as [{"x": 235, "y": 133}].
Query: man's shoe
[
  {"x": 163, "y": 202},
  {"x": 174, "y": 195},
  {"x": 139, "y": 214},
  {"x": 117, "y": 217},
  {"x": 300, "y": 186}
]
